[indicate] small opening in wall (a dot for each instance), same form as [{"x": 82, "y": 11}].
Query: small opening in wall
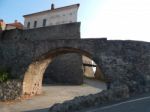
[
  {"x": 28, "y": 25},
  {"x": 44, "y": 22},
  {"x": 35, "y": 24}
]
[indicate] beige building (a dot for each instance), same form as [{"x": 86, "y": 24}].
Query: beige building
[
  {"x": 15, "y": 25},
  {"x": 54, "y": 16}
]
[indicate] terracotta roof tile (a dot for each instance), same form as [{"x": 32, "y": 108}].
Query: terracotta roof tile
[{"x": 18, "y": 25}]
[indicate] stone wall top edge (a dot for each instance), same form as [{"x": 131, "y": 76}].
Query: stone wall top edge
[
  {"x": 54, "y": 26},
  {"x": 128, "y": 41},
  {"x": 41, "y": 28}
]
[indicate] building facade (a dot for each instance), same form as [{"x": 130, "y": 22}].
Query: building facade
[
  {"x": 2, "y": 25},
  {"x": 54, "y": 16},
  {"x": 15, "y": 25}
]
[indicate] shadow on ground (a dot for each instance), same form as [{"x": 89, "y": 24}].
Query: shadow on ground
[
  {"x": 38, "y": 110},
  {"x": 95, "y": 83}
]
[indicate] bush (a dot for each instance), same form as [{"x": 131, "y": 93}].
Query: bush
[{"x": 4, "y": 75}]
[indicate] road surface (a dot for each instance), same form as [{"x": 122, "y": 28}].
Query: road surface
[{"x": 140, "y": 104}]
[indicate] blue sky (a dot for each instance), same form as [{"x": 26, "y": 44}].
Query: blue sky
[{"x": 114, "y": 19}]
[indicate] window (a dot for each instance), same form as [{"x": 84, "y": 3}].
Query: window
[
  {"x": 28, "y": 25},
  {"x": 35, "y": 24},
  {"x": 44, "y": 22}
]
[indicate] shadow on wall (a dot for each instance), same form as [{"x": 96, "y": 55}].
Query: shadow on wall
[
  {"x": 64, "y": 69},
  {"x": 33, "y": 77},
  {"x": 69, "y": 69}
]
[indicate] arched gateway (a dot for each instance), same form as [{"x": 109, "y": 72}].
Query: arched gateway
[
  {"x": 28, "y": 53},
  {"x": 32, "y": 83}
]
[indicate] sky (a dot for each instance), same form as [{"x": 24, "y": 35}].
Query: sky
[{"x": 114, "y": 19}]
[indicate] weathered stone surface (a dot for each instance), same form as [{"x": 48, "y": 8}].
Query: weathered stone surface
[
  {"x": 79, "y": 103},
  {"x": 10, "y": 90},
  {"x": 64, "y": 31},
  {"x": 64, "y": 69},
  {"x": 121, "y": 62}
]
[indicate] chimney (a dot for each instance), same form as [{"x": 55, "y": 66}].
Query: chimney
[{"x": 52, "y": 7}]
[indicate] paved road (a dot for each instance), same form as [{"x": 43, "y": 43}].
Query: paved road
[{"x": 141, "y": 104}]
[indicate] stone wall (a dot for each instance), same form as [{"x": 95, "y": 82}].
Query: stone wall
[
  {"x": 121, "y": 62},
  {"x": 64, "y": 69},
  {"x": 128, "y": 63},
  {"x": 10, "y": 90},
  {"x": 12, "y": 50},
  {"x": 64, "y": 31},
  {"x": 92, "y": 100}
]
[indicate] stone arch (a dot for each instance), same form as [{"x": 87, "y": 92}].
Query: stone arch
[{"x": 32, "y": 82}]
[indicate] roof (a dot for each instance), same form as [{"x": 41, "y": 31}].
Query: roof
[
  {"x": 16, "y": 24},
  {"x": 56, "y": 9}
]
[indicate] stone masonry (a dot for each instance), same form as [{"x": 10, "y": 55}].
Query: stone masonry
[
  {"x": 29, "y": 54},
  {"x": 61, "y": 70}
]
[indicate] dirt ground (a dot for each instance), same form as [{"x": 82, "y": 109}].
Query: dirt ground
[{"x": 53, "y": 94}]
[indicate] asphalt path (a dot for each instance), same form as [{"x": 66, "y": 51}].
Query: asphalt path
[{"x": 138, "y": 104}]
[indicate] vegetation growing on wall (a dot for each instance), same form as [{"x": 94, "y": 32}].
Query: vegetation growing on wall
[{"x": 4, "y": 75}]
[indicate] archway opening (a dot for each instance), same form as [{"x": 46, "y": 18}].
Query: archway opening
[
  {"x": 33, "y": 78},
  {"x": 65, "y": 69},
  {"x": 91, "y": 69}
]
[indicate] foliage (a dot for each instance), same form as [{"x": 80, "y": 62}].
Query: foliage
[{"x": 4, "y": 75}]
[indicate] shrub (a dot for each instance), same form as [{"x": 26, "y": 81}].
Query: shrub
[{"x": 4, "y": 75}]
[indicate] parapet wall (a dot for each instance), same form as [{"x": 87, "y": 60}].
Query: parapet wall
[{"x": 64, "y": 31}]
